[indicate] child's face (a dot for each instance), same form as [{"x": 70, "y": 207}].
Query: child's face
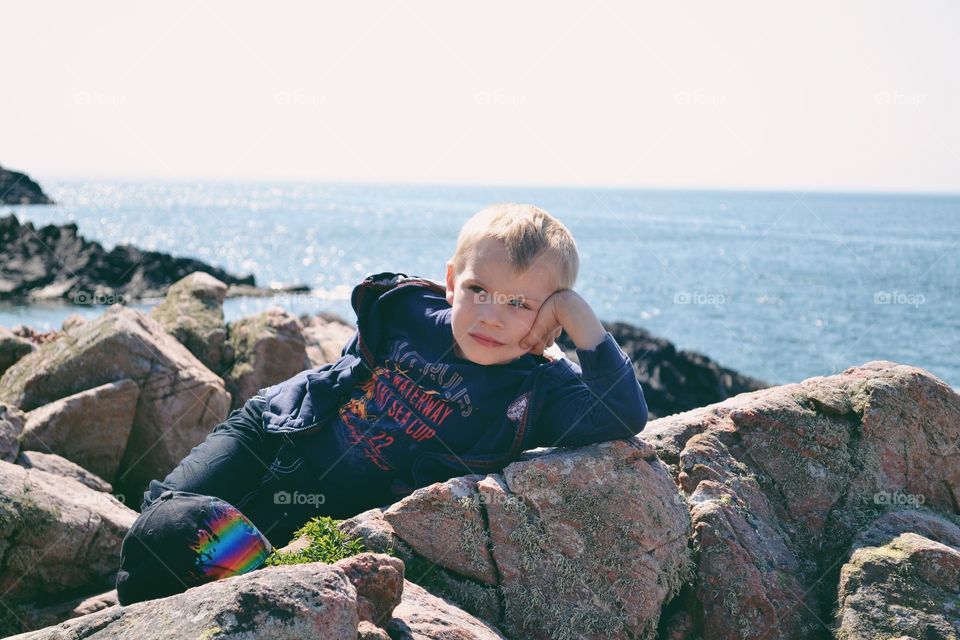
[{"x": 490, "y": 300}]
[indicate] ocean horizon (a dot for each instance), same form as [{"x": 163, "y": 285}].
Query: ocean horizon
[{"x": 780, "y": 286}]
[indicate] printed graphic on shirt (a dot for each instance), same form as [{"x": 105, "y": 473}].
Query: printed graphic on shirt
[
  {"x": 392, "y": 408},
  {"x": 454, "y": 389}
]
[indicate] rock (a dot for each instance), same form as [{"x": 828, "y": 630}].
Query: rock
[
  {"x": 378, "y": 580},
  {"x": 180, "y": 400},
  {"x": 888, "y": 526},
  {"x": 377, "y": 534},
  {"x": 250, "y": 291},
  {"x": 71, "y": 321},
  {"x": 779, "y": 482},
  {"x": 56, "y": 535},
  {"x": 369, "y": 631},
  {"x": 12, "y": 348},
  {"x": 32, "y": 618},
  {"x": 56, "y": 262},
  {"x": 423, "y": 616},
  {"x": 589, "y": 541},
  {"x": 59, "y": 466},
  {"x": 443, "y": 523},
  {"x": 312, "y": 600},
  {"x": 192, "y": 312},
  {"x": 268, "y": 348},
  {"x": 672, "y": 380},
  {"x": 91, "y": 428},
  {"x": 35, "y": 337},
  {"x": 326, "y": 336},
  {"x": 906, "y": 585},
  {"x": 11, "y": 426},
  {"x": 18, "y": 188}
]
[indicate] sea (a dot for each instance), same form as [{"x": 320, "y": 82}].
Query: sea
[{"x": 780, "y": 286}]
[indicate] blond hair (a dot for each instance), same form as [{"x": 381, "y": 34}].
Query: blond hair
[{"x": 528, "y": 233}]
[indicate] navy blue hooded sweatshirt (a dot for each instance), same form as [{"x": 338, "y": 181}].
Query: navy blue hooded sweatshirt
[{"x": 400, "y": 410}]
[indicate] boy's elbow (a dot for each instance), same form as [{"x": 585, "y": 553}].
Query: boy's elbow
[
  {"x": 641, "y": 415},
  {"x": 642, "y": 418}
]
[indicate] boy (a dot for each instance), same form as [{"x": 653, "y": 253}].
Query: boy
[{"x": 437, "y": 382}]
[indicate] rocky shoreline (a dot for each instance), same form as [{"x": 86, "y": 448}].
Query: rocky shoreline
[
  {"x": 806, "y": 510},
  {"x": 18, "y": 188},
  {"x": 55, "y": 262}
]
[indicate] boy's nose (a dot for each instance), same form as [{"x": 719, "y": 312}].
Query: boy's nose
[{"x": 489, "y": 316}]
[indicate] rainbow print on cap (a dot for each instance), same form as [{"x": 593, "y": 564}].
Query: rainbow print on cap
[{"x": 228, "y": 545}]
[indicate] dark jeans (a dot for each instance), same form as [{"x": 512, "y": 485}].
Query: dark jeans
[{"x": 259, "y": 473}]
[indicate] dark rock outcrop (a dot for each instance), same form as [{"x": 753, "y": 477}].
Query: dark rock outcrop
[
  {"x": 673, "y": 380},
  {"x": 56, "y": 262},
  {"x": 18, "y": 188}
]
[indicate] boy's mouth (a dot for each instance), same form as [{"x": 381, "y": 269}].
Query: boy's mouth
[{"x": 485, "y": 341}]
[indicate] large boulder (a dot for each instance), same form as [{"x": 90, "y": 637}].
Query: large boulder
[
  {"x": 424, "y": 616},
  {"x": 12, "y": 348},
  {"x": 267, "y": 348},
  {"x": 90, "y": 428},
  {"x": 48, "y": 614},
  {"x": 60, "y": 466},
  {"x": 902, "y": 580},
  {"x": 589, "y": 541},
  {"x": 11, "y": 426},
  {"x": 192, "y": 312},
  {"x": 326, "y": 335},
  {"x": 312, "y": 600},
  {"x": 378, "y": 580},
  {"x": 56, "y": 535},
  {"x": 290, "y": 602},
  {"x": 779, "y": 482},
  {"x": 180, "y": 400}
]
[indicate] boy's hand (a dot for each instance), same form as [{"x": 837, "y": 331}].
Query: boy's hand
[{"x": 566, "y": 311}]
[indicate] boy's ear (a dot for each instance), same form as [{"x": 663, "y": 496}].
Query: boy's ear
[{"x": 451, "y": 281}]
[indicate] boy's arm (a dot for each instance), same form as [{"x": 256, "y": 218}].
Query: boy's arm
[{"x": 607, "y": 402}]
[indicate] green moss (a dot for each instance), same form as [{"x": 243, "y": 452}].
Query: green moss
[
  {"x": 210, "y": 634},
  {"x": 327, "y": 544}
]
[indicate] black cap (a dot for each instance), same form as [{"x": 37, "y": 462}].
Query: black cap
[{"x": 185, "y": 539}]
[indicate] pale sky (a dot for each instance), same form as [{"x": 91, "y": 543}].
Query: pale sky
[{"x": 767, "y": 95}]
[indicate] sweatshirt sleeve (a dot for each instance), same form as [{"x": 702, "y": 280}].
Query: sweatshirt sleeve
[{"x": 601, "y": 401}]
